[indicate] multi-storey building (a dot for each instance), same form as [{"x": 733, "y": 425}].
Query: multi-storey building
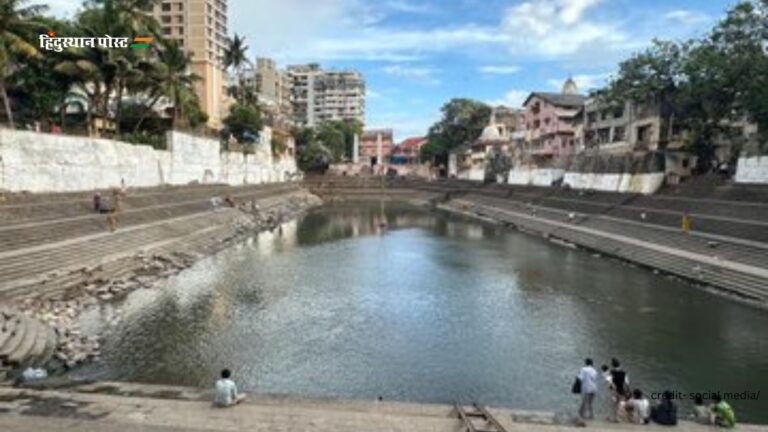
[
  {"x": 319, "y": 95},
  {"x": 551, "y": 121},
  {"x": 273, "y": 89},
  {"x": 200, "y": 27}
]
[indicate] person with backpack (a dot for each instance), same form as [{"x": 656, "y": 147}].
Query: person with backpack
[{"x": 587, "y": 386}]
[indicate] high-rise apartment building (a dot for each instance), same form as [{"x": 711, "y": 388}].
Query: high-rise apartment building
[
  {"x": 273, "y": 88},
  {"x": 200, "y": 26},
  {"x": 324, "y": 95}
]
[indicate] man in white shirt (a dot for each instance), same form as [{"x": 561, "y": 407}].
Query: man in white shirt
[
  {"x": 226, "y": 391},
  {"x": 588, "y": 377}
]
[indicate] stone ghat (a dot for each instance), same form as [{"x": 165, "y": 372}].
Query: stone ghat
[
  {"x": 67, "y": 265},
  {"x": 24, "y": 342},
  {"x": 109, "y": 406}
]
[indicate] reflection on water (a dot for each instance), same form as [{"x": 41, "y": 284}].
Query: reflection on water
[{"x": 384, "y": 299}]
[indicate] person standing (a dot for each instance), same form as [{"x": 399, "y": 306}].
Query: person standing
[
  {"x": 619, "y": 388},
  {"x": 588, "y": 379}
]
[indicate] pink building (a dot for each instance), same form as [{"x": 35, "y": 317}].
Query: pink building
[
  {"x": 551, "y": 120},
  {"x": 376, "y": 146}
]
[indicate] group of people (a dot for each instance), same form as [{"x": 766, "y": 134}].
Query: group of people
[{"x": 631, "y": 405}]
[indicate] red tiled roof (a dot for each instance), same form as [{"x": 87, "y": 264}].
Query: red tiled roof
[{"x": 413, "y": 142}]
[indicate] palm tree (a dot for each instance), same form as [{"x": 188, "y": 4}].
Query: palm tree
[
  {"x": 17, "y": 25},
  {"x": 235, "y": 57},
  {"x": 174, "y": 80}
]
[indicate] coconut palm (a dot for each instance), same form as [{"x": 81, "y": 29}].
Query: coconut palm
[
  {"x": 235, "y": 57},
  {"x": 174, "y": 79},
  {"x": 18, "y": 23}
]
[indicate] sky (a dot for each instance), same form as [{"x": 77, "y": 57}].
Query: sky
[{"x": 418, "y": 54}]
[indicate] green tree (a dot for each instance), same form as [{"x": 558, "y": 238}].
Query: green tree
[
  {"x": 462, "y": 122},
  {"x": 244, "y": 122},
  {"x": 18, "y": 25},
  {"x": 235, "y": 58}
]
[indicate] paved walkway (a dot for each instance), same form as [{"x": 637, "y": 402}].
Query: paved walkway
[{"x": 160, "y": 409}]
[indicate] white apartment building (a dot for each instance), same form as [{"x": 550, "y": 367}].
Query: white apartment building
[{"x": 324, "y": 95}]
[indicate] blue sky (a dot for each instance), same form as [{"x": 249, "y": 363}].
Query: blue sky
[{"x": 416, "y": 54}]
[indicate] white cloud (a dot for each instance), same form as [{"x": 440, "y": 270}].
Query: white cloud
[
  {"x": 420, "y": 74},
  {"x": 687, "y": 17},
  {"x": 372, "y": 94},
  {"x": 408, "y": 7},
  {"x": 62, "y": 8},
  {"x": 513, "y": 98},
  {"x": 500, "y": 70},
  {"x": 557, "y": 28},
  {"x": 585, "y": 82}
]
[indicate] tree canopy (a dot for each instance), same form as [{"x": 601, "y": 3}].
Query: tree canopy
[{"x": 462, "y": 122}]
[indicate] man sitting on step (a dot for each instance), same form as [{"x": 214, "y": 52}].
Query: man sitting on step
[{"x": 226, "y": 391}]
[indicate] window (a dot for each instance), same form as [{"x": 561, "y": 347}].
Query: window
[
  {"x": 618, "y": 112},
  {"x": 166, "y": 7},
  {"x": 166, "y": 19},
  {"x": 592, "y": 117},
  {"x": 619, "y": 134},
  {"x": 181, "y": 30},
  {"x": 166, "y": 31},
  {"x": 180, "y": 6}
]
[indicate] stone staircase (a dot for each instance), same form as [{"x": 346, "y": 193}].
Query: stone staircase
[
  {"x": 47, "y": 243},
  {"x": 24, "y": 342},
  {"x": 110, "y": 406},
  {"x": 737, "y": 269}
]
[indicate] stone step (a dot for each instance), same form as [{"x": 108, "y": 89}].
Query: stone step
[
  {"x": 27, "y": 235},
  {"x": 18, "y": 336},
  {"x": 8, "y": 322},
  {"x": 26, "y": 349},
  {"x": 84, "y": 250},
  {"x": 192, "y": 415},
  {"x": 54, "y": 208},
  {"x": 51, "y": 342}
]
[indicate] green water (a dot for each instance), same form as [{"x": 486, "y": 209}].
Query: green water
[{"x": 430, "y": 309}]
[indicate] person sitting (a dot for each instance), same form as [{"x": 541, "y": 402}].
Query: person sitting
[
  {"x": 637, "y": 409},
  {"x": 226, "y": 391},
  {"x": 721, "y": 413},
  {"x": 229, "y": 200},
  {"x": 700, "y": 413},
  {"x": 666, "y": 412}
]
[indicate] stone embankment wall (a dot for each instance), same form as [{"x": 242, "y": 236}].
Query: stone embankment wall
[
  {"x": 607, "y": 173},
  {"x": 39, "y": 162},
  {"x": 752, "y": 170}
]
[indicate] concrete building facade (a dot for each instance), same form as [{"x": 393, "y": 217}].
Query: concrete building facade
[
  {"x": 321, "y": 95},
  {"x": 550, "y": 121},
  {"x": 376, "y": 146},
  {"x": 273, "y": 88},
  {"x": 200, "y": 27}
]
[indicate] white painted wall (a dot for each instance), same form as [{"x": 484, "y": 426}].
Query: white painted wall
[
  {"x": 626, "y": 183},
  {"x": 38, "y": 162},
  {"x": 752, "y": 170},
  {"x": 545, "y": 177}
]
